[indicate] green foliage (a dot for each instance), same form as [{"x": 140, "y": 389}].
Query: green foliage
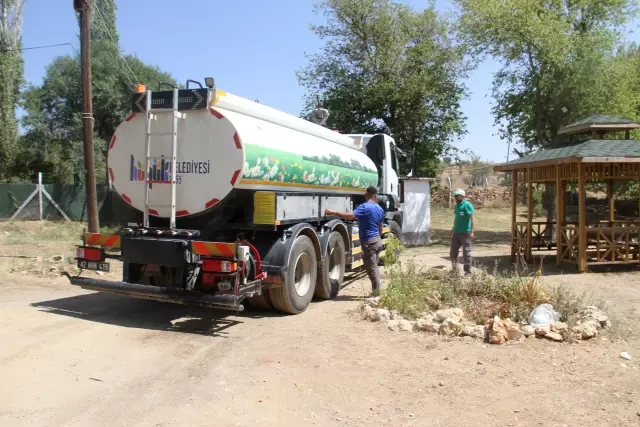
[
  {"x": 11, "y": 78},
  {"x": 388, "y": 68},
  {"x": 52, "y": 142},
  {"x": 560, "y": 62}
]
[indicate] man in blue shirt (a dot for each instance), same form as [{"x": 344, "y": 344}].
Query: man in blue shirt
[{"x": 370, "y": 217}]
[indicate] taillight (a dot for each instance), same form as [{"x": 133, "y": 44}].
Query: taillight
[
  {"x": 219, "y": 266},
  {"x": 92, "y": 254}
]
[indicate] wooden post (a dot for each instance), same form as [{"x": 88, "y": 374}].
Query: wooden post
[
  {"x": 514, "y": 213},
  {"x": 612, "y": 202},
  {"x": 559, "y": 214},
  {"x": 582, "y": 221},
  {"x": 626, "y": 134},
  {"x": 529, "y": 254}
]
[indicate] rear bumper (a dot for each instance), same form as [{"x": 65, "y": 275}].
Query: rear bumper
[{"x": 155, "y": 293}]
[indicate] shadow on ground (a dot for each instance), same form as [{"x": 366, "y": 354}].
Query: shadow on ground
[
  {"x": 442, "y": 237},
  {"x": 135, "y": 313}
]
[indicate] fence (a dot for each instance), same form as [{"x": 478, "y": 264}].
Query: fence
[{"x": 67, "y": 198}]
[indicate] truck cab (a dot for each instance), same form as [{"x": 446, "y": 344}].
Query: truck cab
[{"x": 382, "y": 150}]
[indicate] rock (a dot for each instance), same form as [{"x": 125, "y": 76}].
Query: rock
[
  {"x": 527, "y": 330},
  {"x": 373, "y": 302},
  {"x": 476, "y": 331},
  {"x": 586, "y": 331},
  {"x": 456, "y": 313},
  {"x": 393, "y": 325},
  {"x": 450, "y": 326},
  {"x": 369, "y": 313},
  {"x": 394, "y": 315},
  {"x": 559, "y": 327},
  {"x": 513, "y": 330},
  {"x": 595, "y": 315},
  {"x": 554, "y": 336},
  {"x": 496, "y": 331},
  {"x": 406, "y": 325},
  {"x": 426, "y": 326},
  {"x": 429, "y": 317},
  {"x": 625, "y": 355},
  {"x": 543, "y": 330},
  {"x": 384, "y": 314}
]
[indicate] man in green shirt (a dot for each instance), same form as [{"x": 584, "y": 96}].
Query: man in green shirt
[{"x": 464, "y": 224}]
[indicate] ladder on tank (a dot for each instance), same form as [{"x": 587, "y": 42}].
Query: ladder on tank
[{"x": 151, "y": 116}]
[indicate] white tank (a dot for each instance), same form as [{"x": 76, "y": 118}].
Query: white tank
[{"x": 236, "y": 143}]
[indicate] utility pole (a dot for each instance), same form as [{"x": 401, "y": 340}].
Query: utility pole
[{"x": 83, "y": 7}]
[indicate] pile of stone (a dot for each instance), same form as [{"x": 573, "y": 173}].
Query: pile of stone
[
  {"x": 452, "y": 322},
  {"x": 477, "y": 195},
  {"x": 449, "y": 321}
]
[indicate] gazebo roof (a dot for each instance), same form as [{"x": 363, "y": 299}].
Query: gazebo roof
[
  {"x": 592, "y": 151},
  {"x": 599, "y": 123}
]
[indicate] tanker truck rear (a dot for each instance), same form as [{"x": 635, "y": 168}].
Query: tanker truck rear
[{"x": 233, "y": 197}]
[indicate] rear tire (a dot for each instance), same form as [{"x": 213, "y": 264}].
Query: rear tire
[
  {"x": 331, "y": 276},
  {"x": 261, "y": 302},
  {"x": 295, "y": 294}
]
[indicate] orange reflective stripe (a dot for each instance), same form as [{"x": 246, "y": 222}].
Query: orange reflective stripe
[
  {"x": 104, "y": 240},
  {"x": 225, "y": 250}
]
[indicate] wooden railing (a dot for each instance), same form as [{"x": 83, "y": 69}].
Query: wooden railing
[
  {"x": 605, "y": 245},
  {"x": 608, "y": 242}
]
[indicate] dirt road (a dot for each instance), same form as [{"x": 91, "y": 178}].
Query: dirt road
[{"x": 74, "y": 358}]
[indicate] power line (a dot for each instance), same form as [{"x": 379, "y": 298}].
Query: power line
[
  {"x": 36, "y": 47},
  {"x": 106, "y": 28}
]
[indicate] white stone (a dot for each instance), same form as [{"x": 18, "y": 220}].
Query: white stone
[
  {"x": 406, "y": 325},
  {"x": 369, "y": 313},
  {"x": 527, "y": 330},
  {"x": 554, "y": 336},
  {"x": 476, "y": 331},
  {"x": 543, "y": 330},
  {"x": 450, "y": 326},
  {"x": 384, "y": 314},
  {"x": 559, "y": 327},
  {"x": 426, "y": 326},
  {"x": 393, "y": 325},
  {"x": 442, "y": 315}
]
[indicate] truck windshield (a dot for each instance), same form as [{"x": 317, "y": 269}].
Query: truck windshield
[{"x": 394, "y": 159}]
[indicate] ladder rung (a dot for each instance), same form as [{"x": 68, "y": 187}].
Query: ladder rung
[{"x": 161, "y": 133}]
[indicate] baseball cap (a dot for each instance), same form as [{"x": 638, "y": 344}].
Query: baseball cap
[{"x": 459, "y": 192}]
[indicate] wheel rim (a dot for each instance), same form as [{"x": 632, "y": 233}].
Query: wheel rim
[
  {"x": 303, "y": 274},
  {"x": 335, "y": 264}
]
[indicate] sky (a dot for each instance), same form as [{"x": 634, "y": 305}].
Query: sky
[{"x": 252, "y": 48}]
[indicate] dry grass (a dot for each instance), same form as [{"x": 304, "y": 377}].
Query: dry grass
[{"x": 413, "y": 289}]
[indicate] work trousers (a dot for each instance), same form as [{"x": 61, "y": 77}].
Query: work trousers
[
  {"x": 459, "y": 240},
  {"x": 371, "y": 256}
]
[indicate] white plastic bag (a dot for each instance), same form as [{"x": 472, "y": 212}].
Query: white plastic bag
[{"x": 542, "y": 315}]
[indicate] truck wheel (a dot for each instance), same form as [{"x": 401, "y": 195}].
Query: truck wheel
[
  {"x": 332, "y": 274},
  {"x": 261, "y": 302},
  {"x": 396, "y": 231},
  {"x": 295, "y": 294}
]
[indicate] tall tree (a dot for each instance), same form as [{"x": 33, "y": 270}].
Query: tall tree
[
  {"x": 52, "y": 142},
  {"x": 558, "y": 57},
  {"x": 386, "y": 67},
  {"x": 11, "y": 77}
]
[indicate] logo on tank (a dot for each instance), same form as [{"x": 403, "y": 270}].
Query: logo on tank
[{"x": 160, "y": 169}]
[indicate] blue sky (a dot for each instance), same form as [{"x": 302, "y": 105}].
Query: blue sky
[{"x": 252, "y": 48}]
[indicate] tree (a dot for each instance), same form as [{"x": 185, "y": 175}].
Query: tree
[
  {"x": 559, "y": 61},
  {"x": 559, "y": 64},
  {"x": 388, "y": 68},
  {"x": 11, "y": 77},
  {"x": 53, "y": 123}
]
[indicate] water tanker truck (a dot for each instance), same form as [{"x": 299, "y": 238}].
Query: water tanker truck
[{"x": 233, "y": 197}]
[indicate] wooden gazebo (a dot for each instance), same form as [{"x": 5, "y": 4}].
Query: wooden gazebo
[{"x": 580, "y": 242}]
